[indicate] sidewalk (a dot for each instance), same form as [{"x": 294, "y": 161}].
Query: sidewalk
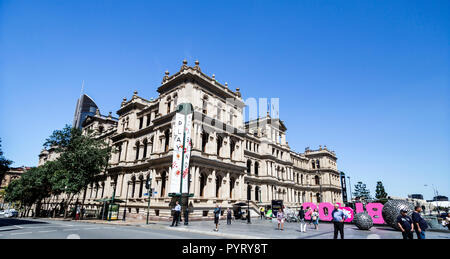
[{"x": 265, "y": 229}]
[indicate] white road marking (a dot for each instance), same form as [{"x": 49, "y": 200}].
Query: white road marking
[
  {"x": 73, "y": 236},
  {"x": 90, "y": 228},
  {"x": 17, "y": 226},
  {"x": 21, "y": 233},
  {"x": 70, "y": 229},
  {"x": 46, "y": 231}
]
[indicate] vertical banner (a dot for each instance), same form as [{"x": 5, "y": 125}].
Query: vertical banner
[{"x": 180, "y": 130}]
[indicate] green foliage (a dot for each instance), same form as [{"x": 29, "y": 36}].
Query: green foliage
[
  {"x": 4, "y": 163},
  {"x": 380, "y": 193},
  {"x": 82, "y": 158},
  {"x": 361, "y": 191}
]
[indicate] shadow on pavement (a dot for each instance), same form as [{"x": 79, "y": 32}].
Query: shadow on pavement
[{"x": 13, "y": 221}]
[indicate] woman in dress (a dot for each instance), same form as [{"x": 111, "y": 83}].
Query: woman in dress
[
  {"x": 280, "y": 218},
  {"x": 315, "y": 219}
]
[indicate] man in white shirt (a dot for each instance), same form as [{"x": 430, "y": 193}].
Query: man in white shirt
[{"x": 176, "y": 214}]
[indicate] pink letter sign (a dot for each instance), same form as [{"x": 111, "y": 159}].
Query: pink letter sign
[
  {"x": 374, "y": 210},
  {"x": 307, "y": 205},
  {"x": 322, "y": 215}
]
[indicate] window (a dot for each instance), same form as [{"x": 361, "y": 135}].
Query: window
[
  {"x": 205, "y": 137},
  {"x": 256, "y": 168},
  {"x": 219, "y": 144},
  {"x": 318, "y": 164},
  {"x": 249, "y": 165},
  {"x": 119, "y": 148},
  {"x": 313, "y": 164},
  {"x": 202, "y": 184},
  {"x": 145, "y": 149},
  {"x": 219, "y": 111},
  {"x": 163, "y": 184},
  {"x": 137, "y": 150},
  {"x": 218, "y": 185},
  {"x": 168, "y": 107},
  {"x": 141, "y": 185},
  {"x": 133, "y": 187},
  {"x": 148, "y": 120},
  {"x": 232, "y": 147},
  {"x": 166, "y": 142},
  {"x": 205, "y": 106},
  {"x": 141, "y": 122},
  {"x": 317, "y": 180}
]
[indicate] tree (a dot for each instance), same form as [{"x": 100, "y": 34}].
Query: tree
[
  {"x": 82, "y": 159},
  {"x": 380, "y": 193},
  {"x": 4, "y": 163},
  {"x": 361, "y": 191}
]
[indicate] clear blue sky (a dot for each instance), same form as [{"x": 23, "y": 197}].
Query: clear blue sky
[{"x": 369, "y": 79}]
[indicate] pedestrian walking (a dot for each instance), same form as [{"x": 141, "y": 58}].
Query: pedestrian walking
[
  {"x": 176, "y": 214},
  {"x": 420, "y": 225},
  {"x": 77, "y": 213},
  {"x": 338, "y": 221},
  {"x": 261, "y": 212},
  {"x": 229, "y": 216},
  {"x": 405, "y": 223},
  {"x": 301, "y": 217},
  {"x": 216, "y": 217},
  {"x": 280, "y": 218},
  {"x": 315, "y": 219},
  {"x": 310, "y": 216}
]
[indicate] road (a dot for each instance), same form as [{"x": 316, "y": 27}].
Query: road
[{"x": 49, "y": 229}]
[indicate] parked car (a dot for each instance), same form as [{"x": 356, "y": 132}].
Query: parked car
[
  {"x": 11, "y": 213},
  {"x": 2, "y": 213}
]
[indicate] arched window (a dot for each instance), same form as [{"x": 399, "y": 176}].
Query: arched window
[
  {"x": 318, "y": 164},
  {"x": 145, "y": 148},
  {"x": 219, "y": 144},
  {"x": 232, "y": 147},
  {"x": 163, "y": 183},
  {"x": 205, "y": 137},
  {"x": 218, "y": 186},
  {"x": 202, "y": 184},
  {"x": 119, "y": 149},
  {"x": 313, "y": 164},
  {"x": 249, "y": 165},
  {"x": 141, "y": 185},
  {"x": 133, "y": 186},
  {"x": 257, "y": 193},
  {"x": 232, "y": 181},
  {"x": 317, "y": 180},
  {"x": 138, "y": 146},
  {"x": 318, "y": 197},
  {"x": 256, "y": 168},
  {"x": 166, "y": 140},
  {"x": 249, "y": 192}
]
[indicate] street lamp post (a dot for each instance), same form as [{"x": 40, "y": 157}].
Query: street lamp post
[
  {"x": 435, "y": 197},
  {"x": 149, "y": 192},
  {"x": 350, "y": 186}
]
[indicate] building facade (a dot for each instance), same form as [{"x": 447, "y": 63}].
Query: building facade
[{"x": 231, "y": 161}]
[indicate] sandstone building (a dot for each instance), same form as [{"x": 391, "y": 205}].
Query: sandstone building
[{"x": 231, "y": 161}]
